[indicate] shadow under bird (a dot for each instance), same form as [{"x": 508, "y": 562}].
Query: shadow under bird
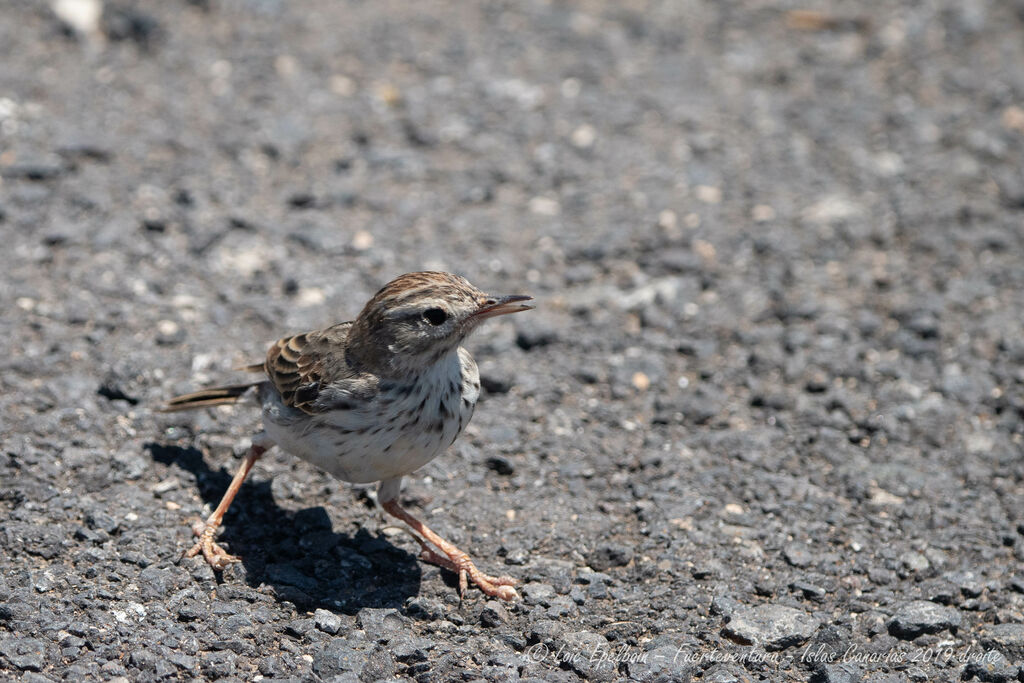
[{"x": 373, "y": 399}]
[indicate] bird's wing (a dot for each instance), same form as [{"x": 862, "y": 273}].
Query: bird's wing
[{"x": 311, "y": 373}]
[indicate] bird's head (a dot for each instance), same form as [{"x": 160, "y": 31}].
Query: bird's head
[{"x": 418, "y": 318}]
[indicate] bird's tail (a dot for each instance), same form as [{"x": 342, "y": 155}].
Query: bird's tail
[{"x": 207, "y": 397}]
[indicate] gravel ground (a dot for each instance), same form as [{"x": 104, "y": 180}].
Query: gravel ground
[{"x": 765, "y": 424}]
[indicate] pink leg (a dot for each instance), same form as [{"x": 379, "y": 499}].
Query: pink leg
[
  {"x": 216, "y": 556},
  {"x": 456, "y": 560}
]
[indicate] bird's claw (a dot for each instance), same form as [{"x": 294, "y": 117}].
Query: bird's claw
[
  {"x": 215, "y": 556},
  {"x": 502, "y": 587}
]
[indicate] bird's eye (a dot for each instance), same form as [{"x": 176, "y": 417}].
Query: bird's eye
[{"x": 435, "y": 316}]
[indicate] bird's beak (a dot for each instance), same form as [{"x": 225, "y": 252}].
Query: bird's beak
[{"x": 502, "y": 305}]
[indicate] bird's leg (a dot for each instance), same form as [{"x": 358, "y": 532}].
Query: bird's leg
[
  {"x": 216, "y": 556},
  {"x": 453, "y": 558}
]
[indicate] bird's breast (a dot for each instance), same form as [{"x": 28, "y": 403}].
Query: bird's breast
[{"x": 407, "y": 424}]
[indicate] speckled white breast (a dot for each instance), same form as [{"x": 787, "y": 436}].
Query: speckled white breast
[{"x": 406, "y": 425}]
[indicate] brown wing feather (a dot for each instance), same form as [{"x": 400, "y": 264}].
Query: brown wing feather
[{"x": 300, "y": 366}]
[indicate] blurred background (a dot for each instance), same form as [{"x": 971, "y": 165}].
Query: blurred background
[{"x": 777, "y": 361}]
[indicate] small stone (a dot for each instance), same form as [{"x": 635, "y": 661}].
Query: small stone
[
  {"x": 379, "y": 666},
  {"x": 810, "y": 591},
  {"x": 425, "y": 608},
  {"x": 33, "y": 170},
  {"x": 774, "y": 627},
  {"x": 545, "y": 206},
  {"x": 101, "y": 520},
  {"x": 708, "y": 194},
  {"x": 584, "y": 137},
  {"x": 83, "y": 16},
  {"x": 496, "y": 382},
  {"x": 299, "y": 627},
  {"x": 798, "y": 555},
  {"x": 380, "y": 623},
  {"x": 968, "y": 583},
  {"x": 494, "y": 614},
  {"x": 501, "y": 465},
  {"x": 839, "y": 673},
  {"x": 724, "y": 606},
  {"x": 920, "y": 616},
  {"x": 993, "y": 667},
  {"x": 594, "y": 662},
  {"x": 532, "y": 334},
  {"x": 880, "y": 576},
  {"x": 914, "y": 561},
  {"x": 610, "y": 555},
  {"x": 410, "y": 649},
  {"x": 362, "y": 240},
  {"x": 1007, "y": 638},
  {"x": 336, "y": 658},
  {"x": 218, "y": 664},
  {"x": 129, "y": 23},
  {"x": 169, "y": 332},
  {"x": 546, "y": 630},
  {"x": 328, "y": 622},
  {"x": 641, "y": 381},
  {"x": 662, "y": 663},
  {"x": 538, "y": 594}
]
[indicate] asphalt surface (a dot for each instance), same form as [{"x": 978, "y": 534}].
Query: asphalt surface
[{"x": 765, "y": 424}]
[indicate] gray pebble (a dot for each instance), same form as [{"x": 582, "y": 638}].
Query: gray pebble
[
  {"x": 919, "y": 617},
  {"x": 326, "y": 621},
  {"x": 774, "y": 627}
]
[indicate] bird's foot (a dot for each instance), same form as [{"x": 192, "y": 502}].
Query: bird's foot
[
  {"x": 215, "y": 556},
  {"x": 502, "y": 587}
]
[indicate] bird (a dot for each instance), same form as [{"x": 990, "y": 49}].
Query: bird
[{"x": 371, "y": 400}]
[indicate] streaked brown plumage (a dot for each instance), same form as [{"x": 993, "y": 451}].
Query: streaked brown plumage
[{"x": 372, "y": 399}]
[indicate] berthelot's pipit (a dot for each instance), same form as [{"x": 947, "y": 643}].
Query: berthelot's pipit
[{"x": 373, "y": 399}]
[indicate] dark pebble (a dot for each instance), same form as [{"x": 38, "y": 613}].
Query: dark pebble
[
  {"x": 500, "y": 465},
  {"x": 337, "y": 657},
  {"x": 428, "y": 609},
  {"x": 494, "y": 382},
  {"x": 494, "y": 614},
  {"x": 798, "y": 555},
  {"x": 773, "y": 627},
  {"x": 381, "y": 623},
  {"x": 328, "y": 622},
  {"x": 610, "y": 555},
  {"x": 1007, "y": 638},
  {"x": 919, "y": 617},
  {"x": 534, "y": 334}
]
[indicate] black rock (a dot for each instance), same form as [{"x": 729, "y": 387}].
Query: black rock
[
  {"x": 773, "y": 627},
  {"x": 538, "y": 594},
  {"x": 798, "y": 555},
  {"x": 494, "y": 614},
  {"x": 1007, "y": 638},
  {"x": 919, "y": 617},
  {"x": 425, "y": 608},
  {"x": 501, "y": 465},
  {"x": 844, "y": 672},
  {"x": 381, "y": 623},
  {"x": 494, "y": 382},
  {"x": 991, "y": 667},
  {"x": 32, "y": 171},
  {"x": 534, "y": 334},
  {"x": 123, "y": 22},
  {"x": 610, "y": 555},
  {"x": 328, "y": 622},
  {"x": 338, "y": 657},
  {"x": 379, "y": 666}
]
